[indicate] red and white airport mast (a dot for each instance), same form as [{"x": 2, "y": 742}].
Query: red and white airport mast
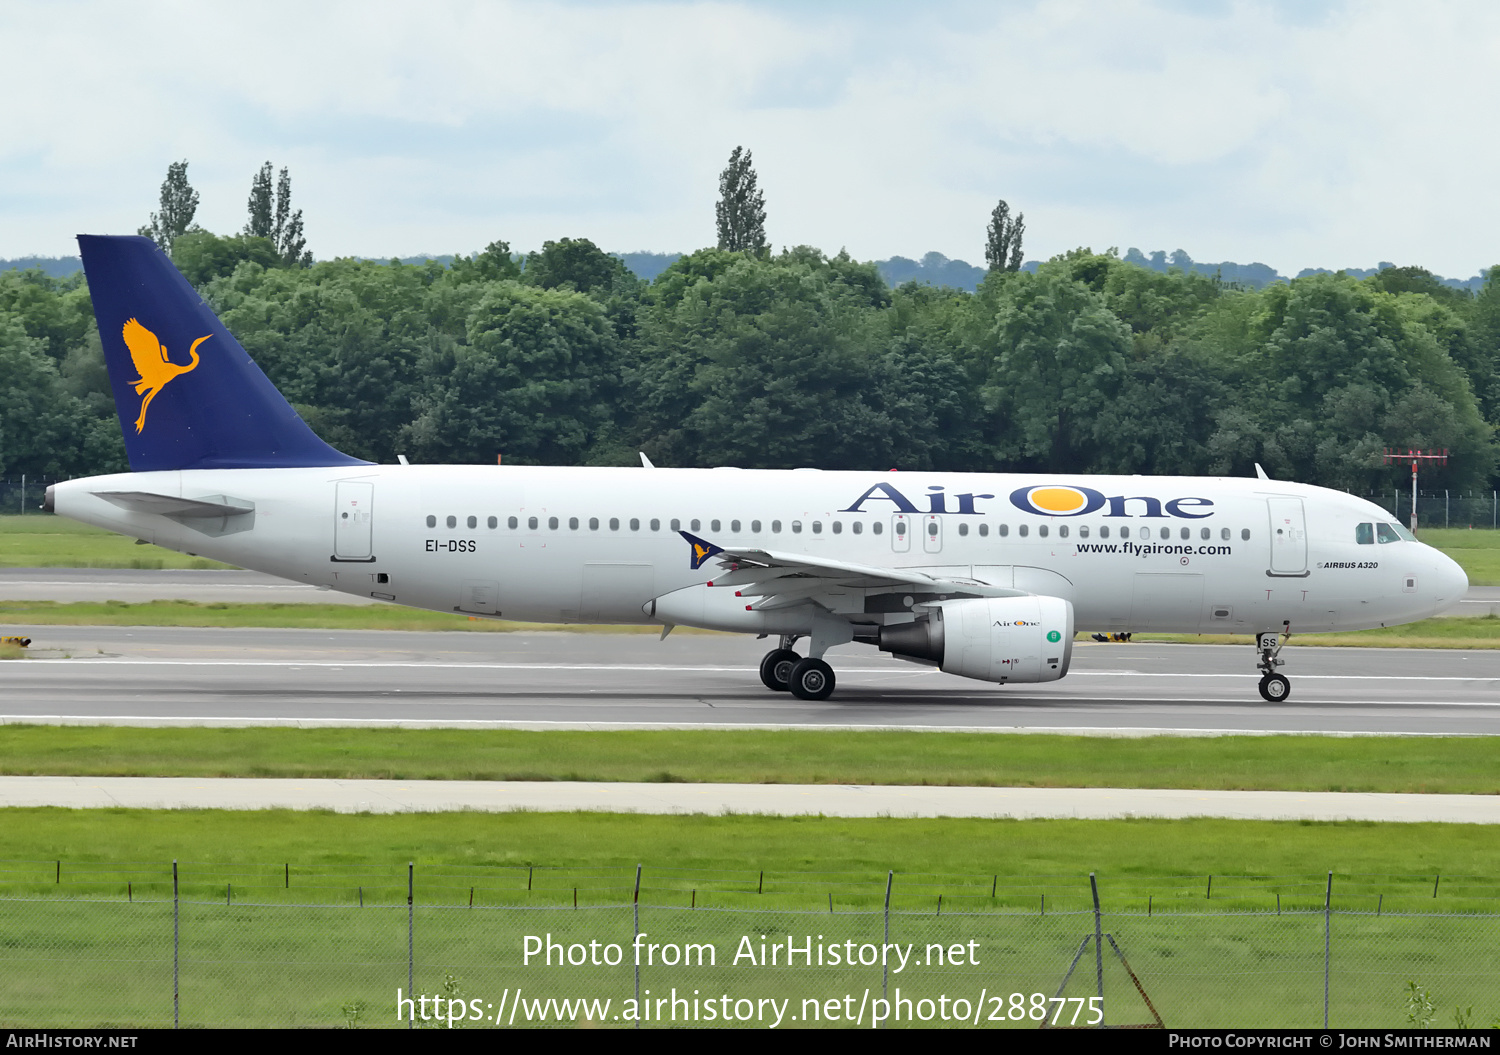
[{"x": 1392, "y": 455}]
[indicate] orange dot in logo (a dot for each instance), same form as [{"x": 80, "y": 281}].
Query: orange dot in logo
[{"x": 1057, "y": 499}]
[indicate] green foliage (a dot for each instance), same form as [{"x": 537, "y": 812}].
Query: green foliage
[
  {"x": 202, "y": 256},
  {"x": 741, "y": 210},
  {"x": 1420, "y": 1009},
  {"x": 1090, "y": 364},
  {"x": 179, "y": 203},
  {"x": 1002, "y": 250}
]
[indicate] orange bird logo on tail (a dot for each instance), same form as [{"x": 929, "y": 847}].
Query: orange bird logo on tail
[{"x": 152, "y": 364}]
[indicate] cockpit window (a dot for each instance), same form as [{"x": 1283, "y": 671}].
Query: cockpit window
[
  {"x": 1407, "y": 535},
  {"x": 1386, "y": 533},
  {"x": 1364, "y": 534}
]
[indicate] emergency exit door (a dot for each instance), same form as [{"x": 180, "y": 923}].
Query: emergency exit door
[{"x": 1288, "y": 536}]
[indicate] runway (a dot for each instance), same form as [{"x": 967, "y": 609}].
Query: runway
[{"x": 150, "y": 675}]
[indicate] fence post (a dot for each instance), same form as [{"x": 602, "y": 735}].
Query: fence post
[
  {"x": 410, "y": 936},
  {"x": 176, "y": 943},
  {"x": 1098, "y": 945},
  {"x": 1327, "y": 944},
  {"x": 890, "y": 878},
  {"x": 1445, "y": 509},
  {"x": 635, "y": 905}
]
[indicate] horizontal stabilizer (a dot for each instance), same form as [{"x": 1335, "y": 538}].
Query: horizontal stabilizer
[{"x": 168, "y": 506}]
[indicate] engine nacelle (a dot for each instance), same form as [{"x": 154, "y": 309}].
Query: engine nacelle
[{"x": 1025, "y": 639}]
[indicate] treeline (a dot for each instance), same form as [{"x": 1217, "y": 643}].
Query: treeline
[{"x": 1088, "y": 364}]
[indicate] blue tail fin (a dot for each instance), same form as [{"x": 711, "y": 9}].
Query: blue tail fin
[{"x": 188, "y": 396}]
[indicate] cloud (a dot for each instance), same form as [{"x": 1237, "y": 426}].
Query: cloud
[{"x": 1299, "y": 134}]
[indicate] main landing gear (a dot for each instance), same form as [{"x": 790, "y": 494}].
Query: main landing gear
[
  {"x": 1274, "y": 687},
  {"x": 806, "y": 678}
]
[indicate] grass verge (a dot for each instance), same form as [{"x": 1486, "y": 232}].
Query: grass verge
[
  {"x": 1447, "y": 632},
  {"x": 1447, "y": 765},
  {"x": 42, "y": 541}
]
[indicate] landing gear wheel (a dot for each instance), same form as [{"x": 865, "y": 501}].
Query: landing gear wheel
[
  {"x": 1274, "y": 688},
  {"x": 811, "y": 679},
  {"x": 776, "y": 669}
]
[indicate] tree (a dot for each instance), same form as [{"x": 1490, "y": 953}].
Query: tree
[
  {"x": 286, "y": 234},
  {"x": 178, "y": 204},
  {"x": 262, "y": 204},
  {"x": 574, "y": 263},
  {"x": 741, "y": 210},
  {"x": 1003, "y": 249}
]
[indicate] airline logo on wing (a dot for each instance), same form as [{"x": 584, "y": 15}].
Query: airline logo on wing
[
  {"x": 702, "y": 550},
  {"x": 154, "y": 369}
]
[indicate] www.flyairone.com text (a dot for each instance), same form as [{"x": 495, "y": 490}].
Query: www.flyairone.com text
[{"x": 687, "y": 1003}]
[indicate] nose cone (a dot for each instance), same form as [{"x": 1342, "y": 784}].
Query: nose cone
[{"x": 1449, "y": 582}]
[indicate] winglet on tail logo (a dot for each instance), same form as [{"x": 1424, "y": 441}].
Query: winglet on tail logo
[
  {"x": 152, "y": 366},
  {"x": 702, "y": 550}
]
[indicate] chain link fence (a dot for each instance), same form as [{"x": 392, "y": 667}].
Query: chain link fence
[
  {"x": 141, "y": 946},
  {"x": 1443, "y": 509},
  {"x": 22, "y": 495}
]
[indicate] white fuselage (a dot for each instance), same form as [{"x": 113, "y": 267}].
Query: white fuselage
[{"x": 593, "y": 545}]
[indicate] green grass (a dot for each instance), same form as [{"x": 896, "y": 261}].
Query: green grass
[
  {"x": 1448, "y": 765},
  {"x": 42, "y": 541},
  {"x": 1478, "y": 552},
  {"x": 296, "y": 616},
  {"x": 1445, "y": 632},
  {"x": 295, "y": 946}
]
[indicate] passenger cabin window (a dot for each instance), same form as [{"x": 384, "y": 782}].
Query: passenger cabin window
[
  {"x": 1022, "y": 530},
  {"x": 817, "y": 526},
  {"x": 1224, "y": 534},
  {"x": 901, "y": 528},
  {"x": 572, "y": 523},
  {"x": 984, "y": 530},
  {"x": 755, "y": 527},
  {"x": 1386, "y": 533},
  {"x": 432, "y": 522},
  {"x": 453, "y": 521},
  {"x": 1041, "y": 530},
  {"x": 796, "y": 527},
  {"x": 1104, "y": 531},
  {"x": 511, "y": 523},
  {"x": 614, "y": 523},
  {"x": 531, "y": 523},
  {"x": 1083, "y": 531},
  {"x": 635, "y": 524},
  {"x": 713, "y": 525},
  {"x": 494, "y": 522},
  {"x": 734, "y": 527},
  {"x": 1062, "y": 531},
  {"x": 876, "y": 528},
  {"x": 695, "y": 525},
  {"x": 1166, "y": 532},
  {"x": 857, "y": 527},
  {"x": 1003, "y": 530},
  {"x": 676, "y": 524},
  {"x": 1245, "y": 534},
  {"x": 655, "y": 524},
  {"x": 1205, "y": 534},
  {"x": 963, "y": 529},
  {"x": 552, "y": 523},
  {"x": 1364, "y": 534},
  {"x": 593, "y": 523},
  {"x": 838, "y": 527}
]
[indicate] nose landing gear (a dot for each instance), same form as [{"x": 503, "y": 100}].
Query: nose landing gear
[{"x": 1274, "y": 687}]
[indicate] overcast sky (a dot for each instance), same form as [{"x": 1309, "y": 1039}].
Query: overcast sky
[{"x": 1295, "y": 133}]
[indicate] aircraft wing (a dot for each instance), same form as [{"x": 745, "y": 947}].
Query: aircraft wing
[{"x": 780, "y": 580}]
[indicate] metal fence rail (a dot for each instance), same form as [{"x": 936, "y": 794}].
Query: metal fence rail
[{"x": 120, "y": 945}]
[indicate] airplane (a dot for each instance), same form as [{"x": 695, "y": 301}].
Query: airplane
[{"x": 984, "y": 575}]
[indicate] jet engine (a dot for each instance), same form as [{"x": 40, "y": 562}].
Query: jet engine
[{"x": 1025, "y": 639}]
